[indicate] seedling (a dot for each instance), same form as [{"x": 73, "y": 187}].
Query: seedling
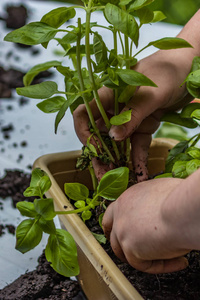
[{"x": 105, "y": 66}]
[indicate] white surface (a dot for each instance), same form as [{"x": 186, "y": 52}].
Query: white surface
[{"x": 39, "y": 133}]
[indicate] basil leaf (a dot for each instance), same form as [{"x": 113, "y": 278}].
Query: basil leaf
[
  {"x": 145, "y": 15},
  {"x": 76, "y": 191},
  {"x": 28, "y": 235},
  {"x": 99, "y": 48},
  {"x": 170, "y": 43},
  {"x": 58, "y": 16},
  {"x": 158, "y": 16},
  {"x": 122, "y": 118},
  {"x": 86, "y": 215},
  {"x": 179, "y": 169},
  {"x": 61, "y": 114},
  {"x": 51, "y": 105},
  {"x": 45, "y": 208},
  {"x": 177, "y": 149},
  {"x": 192, "y": 166},
  {"x": 196, "y": 114},
  {"x": 188, "y": 110},
  {"x": 39, "y": 91},
  {"x": 47, "y": 226},
  {"x": 26, "y": 209},
  {"x": 100, "y": 238},
  {"x": 134, "y": 78},
  {"x": 113, "y": 183},
  {"x": 176, "y": 118},
  {"x": 30, "y": 75},
  {"x": 61, "y": 252},
  {"x": 139, "y": 4},
  {"x": 122, "y": 21},
  {"x": 165, "y": 175},
  {"x": 32, "y": 34}
]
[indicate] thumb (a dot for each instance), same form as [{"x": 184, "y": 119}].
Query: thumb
[{"x": 142, "y": 104}]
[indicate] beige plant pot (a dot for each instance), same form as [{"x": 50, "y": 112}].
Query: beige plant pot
[{"x": 99, "y": 277}]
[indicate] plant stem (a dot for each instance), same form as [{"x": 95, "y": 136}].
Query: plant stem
[
  {"x": 92, "y": 121},
  {"x": 89, "y": 65}
]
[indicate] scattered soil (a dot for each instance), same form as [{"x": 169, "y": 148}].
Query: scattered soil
[{"x": 42, "y": 284}]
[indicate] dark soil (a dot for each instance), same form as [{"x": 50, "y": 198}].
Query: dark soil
[{"x": 42, "y": 283}]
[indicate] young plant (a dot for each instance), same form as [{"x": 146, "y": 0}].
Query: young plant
[{"x": 106, "y": 65}]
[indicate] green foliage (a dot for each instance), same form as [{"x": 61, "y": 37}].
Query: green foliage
[{"x": 61, "y": 248}]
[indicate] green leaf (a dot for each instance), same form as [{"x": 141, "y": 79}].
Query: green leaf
[
  {"x": 86, "y": 215},
  {"x": 28, "y": 235},
  {"x": 170, "y": 43},
  {"x": 26, "y": 209},
  {"x": 61, "y": 252},
  {"x": 158, "y": 16},
  {"x": 36, "y": 175},
  {"x": 193, "y": 152},
  {"x": 137, "y": 4},
  {"x": 176, "y": 118},
  {"x": 179, "y": 169},
  {"x": 165, "y": 175},
  {"x": 99, "y": 48},
  {"x": 39, "y": 185},
  {"x": 172, "y": 131},
  {"x": 126, "y": 94},
  {"x": 45, "y": 208},
  {"x": 113, "y": 183},
  {"x": 79, "y": 204},
  {"x": 177, "y": 149},
  {"x": 122, "y": 118},
  {"x": 196, "y": 114},
  {"x": 192, "y": 166},
  {"x": 76, "y": 191},
  {"x": 30, "y": 75},
  {"x": 194, "y": 78},
  {"x": 134, "y": 78},
  {"x": 32, "y": 192},
  {"x": 189, "y": 109},
  {"x": 51, "y": 105},
  {"x": 100, "y": 238},
  {"x": 145, "y": 15},
  {"x": 113, "y": 76},
  {"x": 47, "y": 226},
  {"x": 58, "y": 16},
  {"x": 61, "y": 114},
  {"x": 39, "y": 91},
  {"x": 122, "y": 21},
  {"x": 32, "y": 34}
]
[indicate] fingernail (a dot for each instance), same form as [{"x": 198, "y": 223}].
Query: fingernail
[{"x": 117, "y": 133}]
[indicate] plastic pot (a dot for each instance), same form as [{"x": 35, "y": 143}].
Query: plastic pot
[{"x": 99, "y": 277}]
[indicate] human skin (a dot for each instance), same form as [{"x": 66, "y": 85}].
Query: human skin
[
  {"x": 168, "y": 69},
  {"x": 163, "y": 223}
]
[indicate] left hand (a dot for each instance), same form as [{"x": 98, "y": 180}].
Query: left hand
[{"x": 137, "y": 230}]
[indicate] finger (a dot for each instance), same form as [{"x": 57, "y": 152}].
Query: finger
[
  {"x": 107, "y": 222},
  {"x": 143, "y": 104},
  {"x": 100, "y": 168},
  {"x": 160, "y": 266},
  {"x": 116, "y": 247},
  {"x": 140, "y": 146}
]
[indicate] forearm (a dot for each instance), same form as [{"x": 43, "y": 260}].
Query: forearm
[{"x": 181, "y": 212}]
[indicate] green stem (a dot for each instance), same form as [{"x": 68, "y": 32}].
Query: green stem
[
  {"x": 94, "y": 179},
  {"x": 90, "y": 115}
]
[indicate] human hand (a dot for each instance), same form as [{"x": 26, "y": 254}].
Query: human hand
[
  {"x": 137, "y": 228},
  {"x": 148, "y": 104}
]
